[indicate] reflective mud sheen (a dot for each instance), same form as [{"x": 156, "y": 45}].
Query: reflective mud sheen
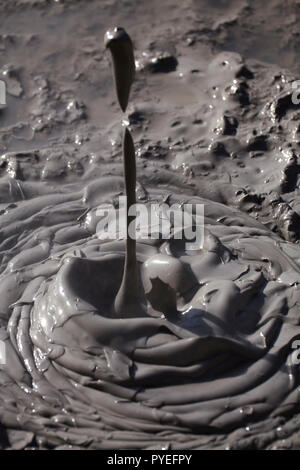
[
  {"x": 213, "y": 352},
  {"x": 210, "y": 364}
]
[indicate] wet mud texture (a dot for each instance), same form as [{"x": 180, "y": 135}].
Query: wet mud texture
[{"x": 213, "y": 123}]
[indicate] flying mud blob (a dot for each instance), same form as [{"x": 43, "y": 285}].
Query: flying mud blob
[{"x": 120, "y": 46}]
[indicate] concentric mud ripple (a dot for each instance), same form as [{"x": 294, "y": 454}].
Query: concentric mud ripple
[{"x": 213, "y": 354}]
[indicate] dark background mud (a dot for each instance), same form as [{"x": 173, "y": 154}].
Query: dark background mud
[{"x": 223, "y": 125}]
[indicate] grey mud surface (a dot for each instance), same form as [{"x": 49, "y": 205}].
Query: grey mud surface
[{"x": 211, "y": 364}]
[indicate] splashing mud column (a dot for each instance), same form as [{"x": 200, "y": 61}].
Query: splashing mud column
[{"x": 129, "y": 300}]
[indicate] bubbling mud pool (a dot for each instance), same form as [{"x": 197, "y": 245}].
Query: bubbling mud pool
[
  {"x": 212, "y": 353},
  {"x": 209, "y": 360}
]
